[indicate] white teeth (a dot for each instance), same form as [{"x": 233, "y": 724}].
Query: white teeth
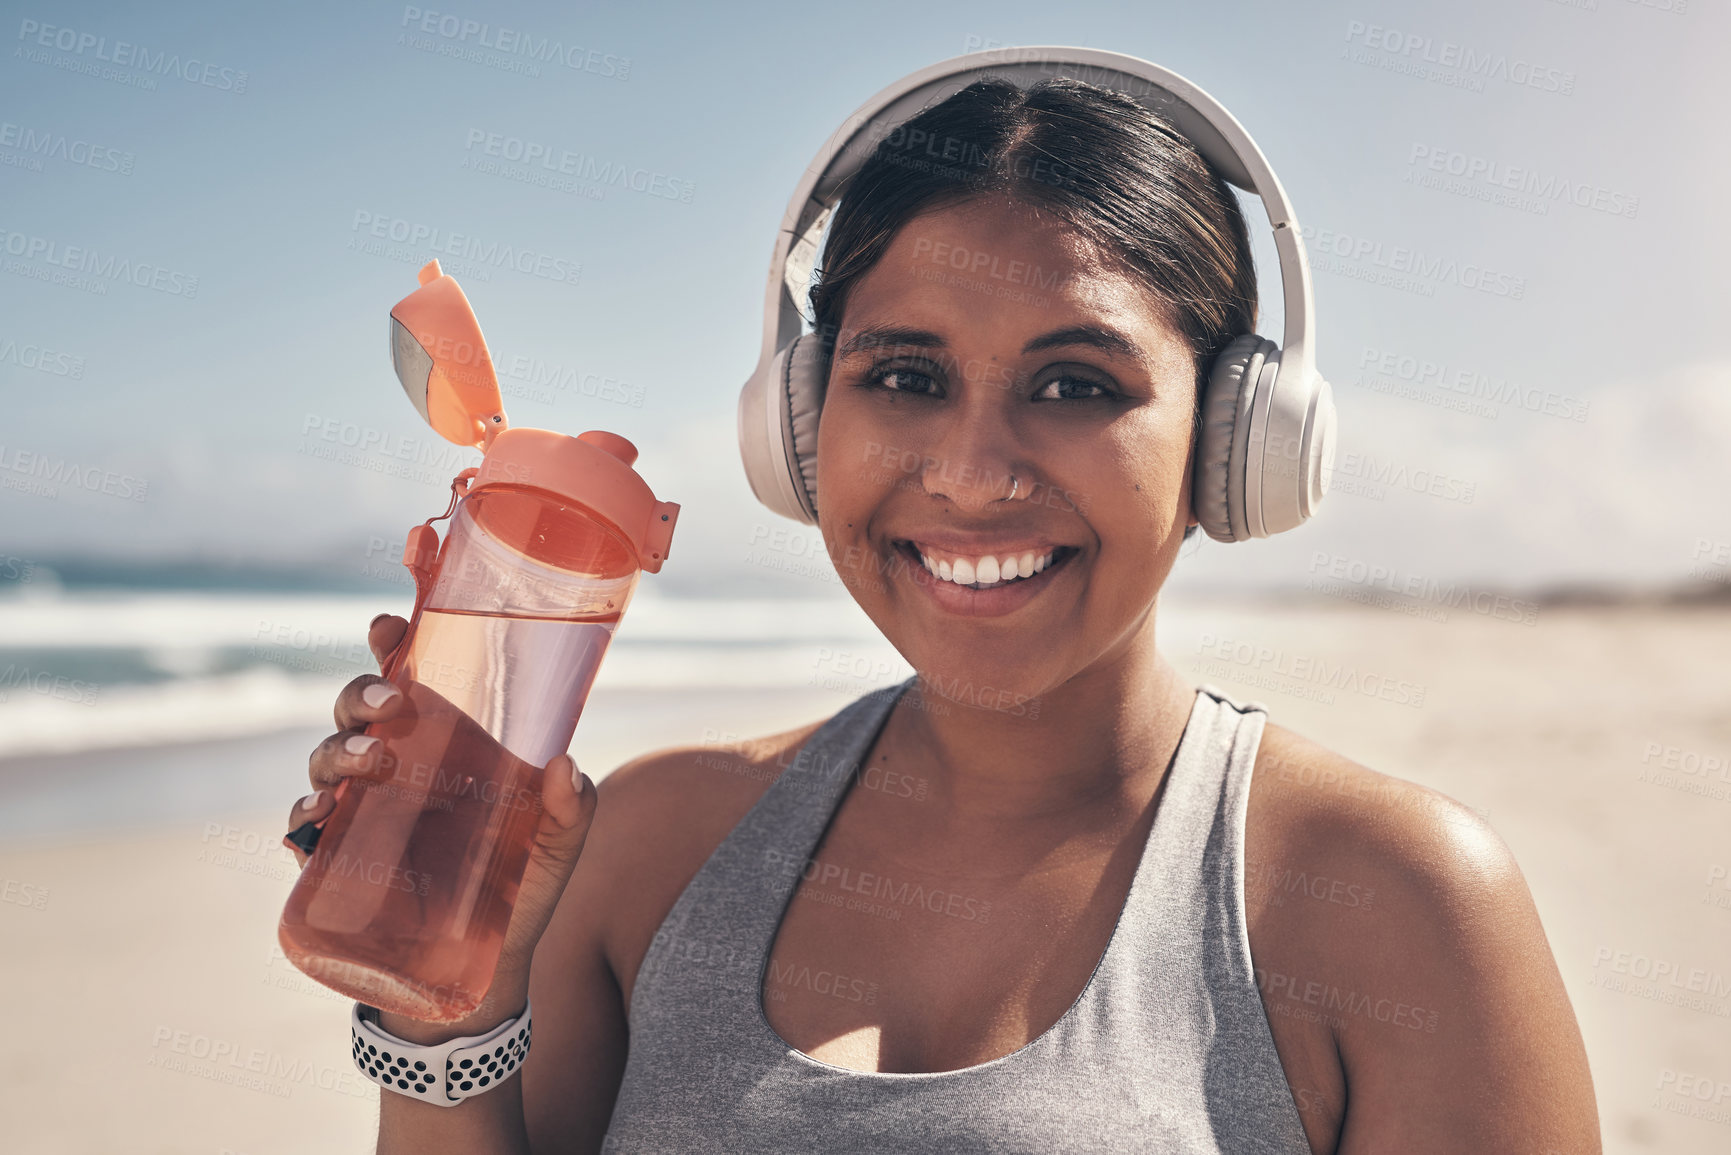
[{"x": 988, "y": 570}]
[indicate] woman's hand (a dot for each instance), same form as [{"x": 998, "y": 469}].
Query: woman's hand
[{"x": 568, "y": 805}]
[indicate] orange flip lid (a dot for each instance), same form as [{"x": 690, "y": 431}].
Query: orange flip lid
[
  {"x": 443, "y": 364},
  {"x": 442, "y": 361}
]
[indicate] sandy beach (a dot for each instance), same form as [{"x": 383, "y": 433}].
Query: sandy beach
[{"x": 140, "y": 959}]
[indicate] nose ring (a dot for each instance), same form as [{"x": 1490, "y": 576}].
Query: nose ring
[{"x": 1015, "y": 484}]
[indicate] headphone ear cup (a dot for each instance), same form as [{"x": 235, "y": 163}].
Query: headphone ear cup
[
  {"x": 1217, "y": 485},
  {"x": 778, "y": 413},
  {"x": 803, "y": 371}
]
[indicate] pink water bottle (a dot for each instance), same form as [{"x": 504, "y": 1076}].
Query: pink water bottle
[{"x": 404, "y": 903}]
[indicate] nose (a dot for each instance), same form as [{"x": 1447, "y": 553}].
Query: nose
[{"x": 974, "y": 461}]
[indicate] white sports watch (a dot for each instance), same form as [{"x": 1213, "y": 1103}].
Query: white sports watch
[{"x": 445, "y": 1074}]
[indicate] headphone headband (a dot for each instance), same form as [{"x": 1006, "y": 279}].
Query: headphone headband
[
  {"x": 1200, "y": 118},
  {"x": 1267, "y": 441}
]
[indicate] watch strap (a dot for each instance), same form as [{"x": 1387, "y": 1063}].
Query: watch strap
[{"x": 446, "y": 1073}]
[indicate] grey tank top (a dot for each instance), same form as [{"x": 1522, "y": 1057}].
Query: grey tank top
[{"x": 1166, "y": 1049}]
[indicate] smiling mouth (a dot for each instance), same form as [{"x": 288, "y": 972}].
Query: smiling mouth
[{"x": 988, "y": 571}]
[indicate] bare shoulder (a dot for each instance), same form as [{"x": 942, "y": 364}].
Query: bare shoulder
[
  {"x": 1307, "y": 799},
  {"x": 657, "y": 820},
  {"x": 1404, "y": 966}
]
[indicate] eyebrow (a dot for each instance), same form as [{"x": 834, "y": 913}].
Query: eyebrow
[{"x": 1093, "y": 336}]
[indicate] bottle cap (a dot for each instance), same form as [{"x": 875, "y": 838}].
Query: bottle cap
[
  {"x": 443, "y": 364},
  {"x": 592, "y": 470}
]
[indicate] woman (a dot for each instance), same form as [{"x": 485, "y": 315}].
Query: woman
[{"x": 1081, "y": 930}]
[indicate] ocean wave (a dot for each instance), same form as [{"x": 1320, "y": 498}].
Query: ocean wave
[
  {"x": 192, "y": 619},
  {"x": 295, "y": 652}
]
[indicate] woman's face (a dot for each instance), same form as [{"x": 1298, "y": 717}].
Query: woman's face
[{"x": 988, "y": 344}]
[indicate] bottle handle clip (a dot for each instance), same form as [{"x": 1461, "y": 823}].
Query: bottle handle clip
[{"x": 421, "y": 548}]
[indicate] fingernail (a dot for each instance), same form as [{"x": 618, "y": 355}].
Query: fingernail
[
  {"x": 378, "y": 694},
  {"x": 360, "y": 743},
  {"x": 311, "y": 801},
  {"x": 377, "y": 620}
]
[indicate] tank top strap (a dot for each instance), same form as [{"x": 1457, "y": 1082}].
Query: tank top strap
[{"x": 1193, "y": 865}]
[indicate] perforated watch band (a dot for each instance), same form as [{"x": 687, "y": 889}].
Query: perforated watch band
[{"x": 445, "y": 1074}]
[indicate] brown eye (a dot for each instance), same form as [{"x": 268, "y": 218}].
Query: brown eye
[
  {"x": 901, "y": 379},
  {"x": 1069, "y": 387}
]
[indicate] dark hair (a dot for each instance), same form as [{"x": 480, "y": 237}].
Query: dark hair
[{"x": 1120, "y": 177}]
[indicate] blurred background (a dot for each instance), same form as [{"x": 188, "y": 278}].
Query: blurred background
[{"x": 207, "y": 467}]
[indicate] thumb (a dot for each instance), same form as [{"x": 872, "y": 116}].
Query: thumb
[{"x": 568, "y": 806}]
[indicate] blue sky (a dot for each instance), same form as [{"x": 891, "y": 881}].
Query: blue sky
[{"x": 350, "y": 118}]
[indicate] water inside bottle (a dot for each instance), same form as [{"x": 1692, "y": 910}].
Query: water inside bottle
[{"x": 405, "y": 903}]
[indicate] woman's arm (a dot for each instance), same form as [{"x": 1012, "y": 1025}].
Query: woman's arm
[
  {"x": 1505, "y": 1069},
  {"x": 563, "y": 1097},
  {"x": 1448, "y": 1017},
  {"x": 657, "y": 820}
]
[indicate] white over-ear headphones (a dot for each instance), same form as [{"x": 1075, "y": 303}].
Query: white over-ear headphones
[{"x": 1267, "y": 441}]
